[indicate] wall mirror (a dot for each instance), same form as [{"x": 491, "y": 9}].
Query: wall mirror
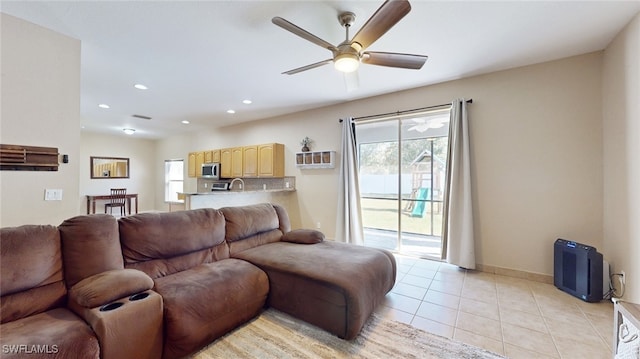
[{"x": 109, "y": 167}]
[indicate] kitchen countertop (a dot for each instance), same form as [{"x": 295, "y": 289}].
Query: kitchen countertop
[{"x": 237, "y": 192}]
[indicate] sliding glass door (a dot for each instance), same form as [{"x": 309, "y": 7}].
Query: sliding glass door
[{"x": 402, "y": 167}]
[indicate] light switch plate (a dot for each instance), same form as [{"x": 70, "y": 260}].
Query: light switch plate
[{"x": 53, "y": 195}]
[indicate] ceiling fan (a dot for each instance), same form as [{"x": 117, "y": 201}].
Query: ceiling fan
[{"x": 348, "y": 55}]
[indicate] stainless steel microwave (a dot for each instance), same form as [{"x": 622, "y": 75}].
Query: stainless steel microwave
[{"x": 211, "y": 170}]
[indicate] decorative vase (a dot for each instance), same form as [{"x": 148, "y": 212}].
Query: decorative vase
[{"x": 305, "y": 148}]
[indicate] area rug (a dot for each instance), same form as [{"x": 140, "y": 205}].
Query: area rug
[{"x": 276, "y": 335}]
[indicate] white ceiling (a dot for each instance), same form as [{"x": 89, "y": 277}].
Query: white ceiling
[{"x": 200, "y": 59}]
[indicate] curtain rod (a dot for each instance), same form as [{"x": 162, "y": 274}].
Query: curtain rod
[{"x": 403, "y": 112}]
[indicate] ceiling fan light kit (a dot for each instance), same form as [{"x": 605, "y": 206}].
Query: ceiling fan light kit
[
  {"x": 346, "y": 62},
  {"x": 348, "y": 55}
]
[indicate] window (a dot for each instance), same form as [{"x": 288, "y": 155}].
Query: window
[
  {"x": 402, "y": 166},
  {"x": 173, "y": 180}
]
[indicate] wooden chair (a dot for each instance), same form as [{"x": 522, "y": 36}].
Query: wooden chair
[{"x": 118, "y": 198}]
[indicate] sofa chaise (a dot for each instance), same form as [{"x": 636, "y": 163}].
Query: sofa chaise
[{"x": 167, "y": 284}]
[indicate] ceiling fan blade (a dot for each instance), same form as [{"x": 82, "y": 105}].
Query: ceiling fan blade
[
  {"x": 303, "y": 33},
  {"x": 351, "y": 81},
  {"x": 392, "y": 59},
  {"x": 381, "y": 21},
  {"x": 308, "y": 67}
]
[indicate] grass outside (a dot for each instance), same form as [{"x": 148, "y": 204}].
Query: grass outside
[{"x": 383, "y": 214}]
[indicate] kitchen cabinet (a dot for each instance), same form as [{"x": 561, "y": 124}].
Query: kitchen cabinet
[
  {"x": 236, "y": 162},
  {"x": 250, "y": 161},
  {"x": 212, "y": 156},
  {"x": 208, "y": 156},
  {"x": 191, "y": 167},
  {"x": 231, "y": 162},
  {"x": 225, "y": 163},
  {"x": 215, "y": 156},
  {"x": 199, "y": 162},
  {"x": 266, "y": 160},
  {"x": 271, "y": 160},
  {"x": 194, "y": 163}
]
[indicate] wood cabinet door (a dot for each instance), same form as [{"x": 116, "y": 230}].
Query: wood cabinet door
[
  {"x": 271, "y": 160},
  {"x": 266, "y": 160},
  {"x": 250, "y": 161},
  {"x": 215, "y": 156},
  {"x": 225, "y": 163},
  {"x": 208, "y": 156},
  {"x": 199, "y": 162},
  {"x": 191, "y": 171},
  {"x": 236, "y": 162}
]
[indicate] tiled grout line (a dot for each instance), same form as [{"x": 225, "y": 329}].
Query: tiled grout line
[
  {"x": 544, "y": 319},
  {"x": 546, "y": 324},
  {"x": 537, "y": 292},
  {"x": 504, "y": 347},
  {"x": 592, "y": 324}
]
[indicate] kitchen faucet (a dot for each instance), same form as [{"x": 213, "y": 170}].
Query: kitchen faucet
[{"x": 237, "y": 179}]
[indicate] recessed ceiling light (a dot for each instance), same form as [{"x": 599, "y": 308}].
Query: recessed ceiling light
[
  {"x": 247, "y": 102},
  {"x": 104, "y": 105},
  {"x": 140, "y": 87},
  {"x": 185, "y": 122},
  {"x": 129, "y": 131},
  {"x": 231, "y": 111}
]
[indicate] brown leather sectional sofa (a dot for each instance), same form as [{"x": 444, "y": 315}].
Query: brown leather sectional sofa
[{"x": 167, "y": 284}]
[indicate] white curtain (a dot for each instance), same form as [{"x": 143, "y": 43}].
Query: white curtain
[
  {"x": 457, "y": 237},
  {"x": 349, "y": 219}
]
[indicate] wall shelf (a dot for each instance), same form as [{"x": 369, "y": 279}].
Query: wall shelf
[
  {"x": 28, "y": 158},
  {"x": 316, "y": 159}
]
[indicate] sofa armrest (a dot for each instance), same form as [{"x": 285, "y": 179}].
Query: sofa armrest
[
  {"x": 107, "y": 286},
  {"x": 303, "y": 236}
]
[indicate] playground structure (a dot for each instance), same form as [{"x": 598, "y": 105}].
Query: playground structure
[{"x": 427, "y": 183}]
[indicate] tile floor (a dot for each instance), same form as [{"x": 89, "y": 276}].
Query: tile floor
[{"x": 514, "y": 317}]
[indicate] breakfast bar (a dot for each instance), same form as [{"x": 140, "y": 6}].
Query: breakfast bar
[{"x": 218, "y": 199}]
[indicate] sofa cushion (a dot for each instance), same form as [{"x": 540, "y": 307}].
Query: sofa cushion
[
  {"x": 207, "y": 301},
  {"x": 90, "y": 245},
  {"x": 254, "y": 225},
  {"x": 31, "y": 267},
  {"x": 161, "y": 244},
  {"x": 107, "y": 286},
  {"x": 335, "y": 286},
  {"x": 303, "y": 236},
  {"x": 56, "y": 333},
  {"x": 283, "y": 218},
  {"x": 245, "y": 221},
  {"x": 32, "y": 301},
  {"x": 31, "y": 257}
]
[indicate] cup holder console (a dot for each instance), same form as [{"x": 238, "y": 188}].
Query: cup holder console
[
  {"x": 138, "y": 296},
  {"x": 111, "y": 306},
  {"x": 115, "y": 305}
]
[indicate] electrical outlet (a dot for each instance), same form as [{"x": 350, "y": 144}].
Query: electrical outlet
[
  {"x": 623, "y": 277},
  {"x": 318, "y": 225}
]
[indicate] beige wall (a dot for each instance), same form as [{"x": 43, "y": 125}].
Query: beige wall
[
  {"x": 536, "y": 139},
  {"x": 142, "y": 164},
  {"x": 621, "y": 118},
  {"x": 40, "y": 107},
  {"x": 537, "y": 156}
]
